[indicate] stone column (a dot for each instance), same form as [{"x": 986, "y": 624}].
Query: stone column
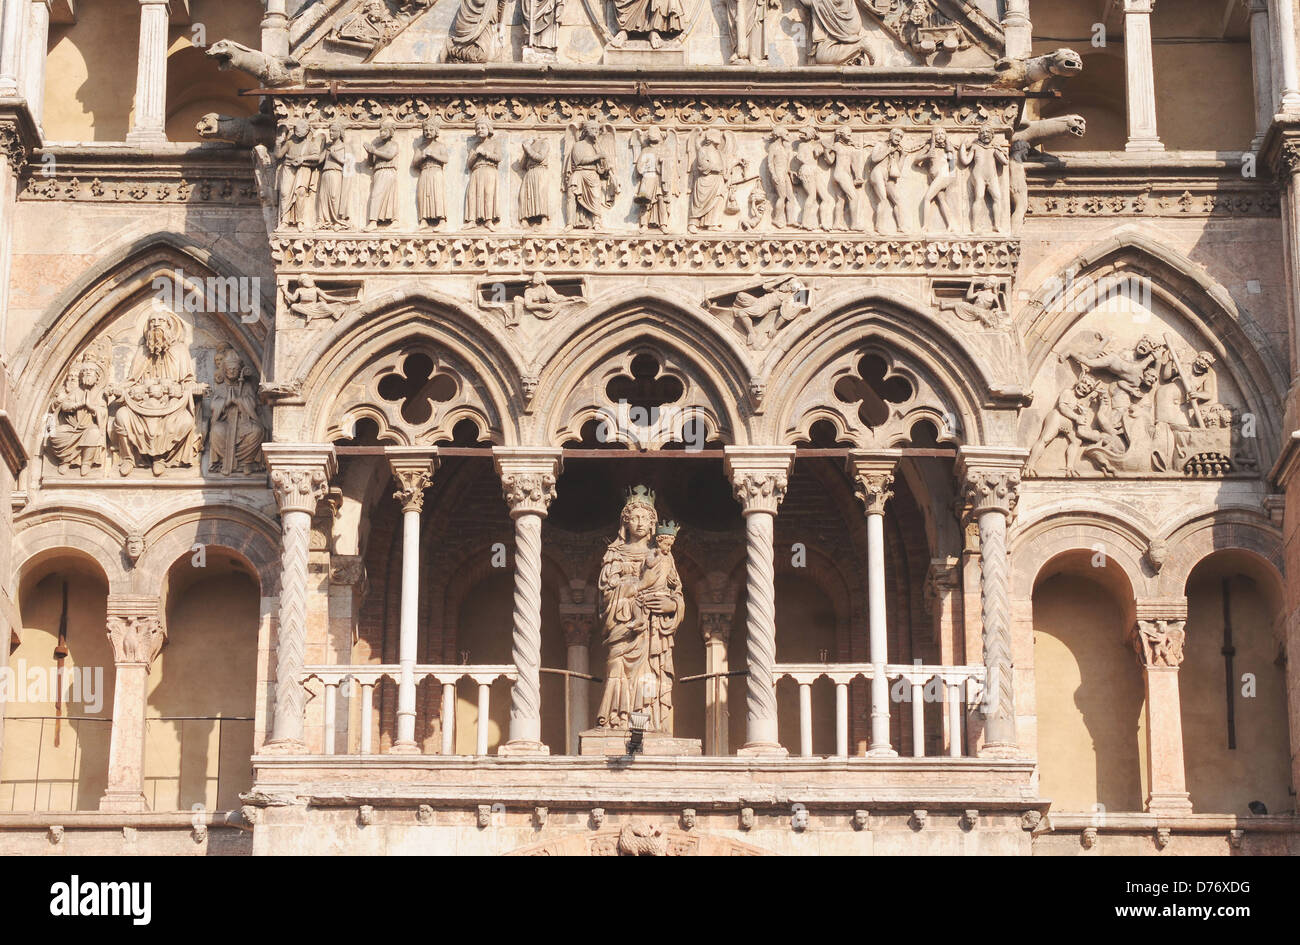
[
  {"x": 300, "y": 475},
  {"x": 13, "y": 23},
  {"x": 1139, "y": 70},
  {"x": 991, "y": 484},
  {"x": 715, "y": 627},
  {"x": 35, "y": 52},
  {"x": 148, "y": 123},
  {"x": 577, "y": 642},
  {"x": 1282, "y": 29},
  {"x": 873, "y": 476},
  {"x": 1262, "y": 60},
  {"x": 275, "y": 29},
  {"x": 1158, "y": 639},
  {"x": 137, "y": 635},
  {"x": 413, "y": 468},
  {"x": 760, "y": 475},
  {"x": 1017, "y": 29},
  {"x": 528, "y": 476}
]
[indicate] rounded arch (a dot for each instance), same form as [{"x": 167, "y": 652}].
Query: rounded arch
[
  {"x": 1186, "y": 288},
  {"x": 1244, "y": 531},
  {"x": 92, "y": 534},
  {"x": 490, "y": 375},
  {"x": 250, "y": 536},
  {"x": 692, "y": 349},
  {"x": 950, "y": 380},
  {"x": 85, "y": 309},
  {"x": 196, "y": 86},
  {"x": 1122, "y": 541}
]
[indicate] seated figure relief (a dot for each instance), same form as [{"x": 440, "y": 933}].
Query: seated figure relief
[{"x": 79, "y": 437}]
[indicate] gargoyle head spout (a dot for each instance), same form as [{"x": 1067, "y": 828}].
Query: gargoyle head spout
[{"x": 1065, "y": 62}]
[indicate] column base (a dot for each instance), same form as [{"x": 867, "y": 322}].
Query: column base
[
  {"x": 1177, "y": 802},
  {"x": 763, "y": 750},
  {"x": 405, "y": 748},
  {"x": 284, "y": 746},
  {"x": 123, "y": 802},
  {"x": 881, "y": 751},
  {"x": 1002, "y": 752},
  {"x": 522, "y": 749},
  {"x": 1144, "y": 144},
  {"x": 146, "y": 139}
]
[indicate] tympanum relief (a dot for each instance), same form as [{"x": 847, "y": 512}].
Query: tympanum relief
[
  {"x": 150, "y": 401},
  {"x": 1140, "y": 402}
]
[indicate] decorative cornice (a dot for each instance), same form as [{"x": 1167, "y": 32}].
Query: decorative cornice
[{"x": 218, "y": 176}]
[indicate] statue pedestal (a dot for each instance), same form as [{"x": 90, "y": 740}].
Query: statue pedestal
[
  {"x": 613, "y": 741},
  {"x": 643, "y": 54}
]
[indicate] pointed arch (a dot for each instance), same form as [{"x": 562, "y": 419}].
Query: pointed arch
[
  {"x": 690, "y": 347},
  {"x": 487, "y": 373},
  {"x": 815, "y": 350},
  {"x": 86, "y": 308},
  {"x": 1182, "y": 285}
]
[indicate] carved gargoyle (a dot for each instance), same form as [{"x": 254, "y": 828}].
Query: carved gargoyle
[
  {"x": 270, "y": 70},
  {"x": 1033, "y": 73},
  {"x": 244, "y": 132}
]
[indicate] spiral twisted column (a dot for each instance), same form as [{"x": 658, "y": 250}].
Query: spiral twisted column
[
  {"x": 991, "y": 488},
  {"x": 300, "y": 475},
  {"x": 873, "y": 476},
  {"x": 413, "y": 469},
  {"x": 528, "y": 483},
  {"x": 760, "y": 476}
]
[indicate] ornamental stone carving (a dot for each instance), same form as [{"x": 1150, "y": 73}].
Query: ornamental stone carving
[
  {"x": 137, "y": 639},
  {"x": 992, "y": 490},
  {"x": 235, "y": 428},
  {"x": 762, "y": 309},
  {"x": 78, "y": 439},
  {"x": 872, "y": 485},
  {"x": 528, "y": 492},
  {"x": 298, "y": 489},
  {"x": 431, "y": 161},
  {"x": 1159, "y": 642},
  {"x": 758, "y": 490},
  {"x": 589, "y": 163}
]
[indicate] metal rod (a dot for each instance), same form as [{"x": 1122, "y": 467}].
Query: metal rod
[{"x": 1228, "y": 652}]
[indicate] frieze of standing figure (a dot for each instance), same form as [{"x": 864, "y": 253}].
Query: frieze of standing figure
[{"x": 1152, "y": 408}]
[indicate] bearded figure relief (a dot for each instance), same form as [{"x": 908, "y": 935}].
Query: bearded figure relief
[
  {"x": 235, "y": 431},
  {"x": 641, "y": 606}
]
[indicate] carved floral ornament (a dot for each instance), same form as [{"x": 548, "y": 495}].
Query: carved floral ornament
[
  {"x": 136, "y": 639},
  {"x": 528, "y": 492},
  {"x": 298, "y": 489}
]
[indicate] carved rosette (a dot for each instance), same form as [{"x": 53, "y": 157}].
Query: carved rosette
[
  {"x": 136, "y": 639},
  {"x": 528, "y": 493}
]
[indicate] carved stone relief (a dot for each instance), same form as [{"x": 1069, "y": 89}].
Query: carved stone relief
[
  {"x": 760, "y": 310},
  {"x": 535, "y": 296}
]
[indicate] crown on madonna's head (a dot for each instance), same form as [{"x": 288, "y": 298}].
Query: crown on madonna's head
[
  {"x": 668, "y": 528},
  {"x": 640, "y": 495}
]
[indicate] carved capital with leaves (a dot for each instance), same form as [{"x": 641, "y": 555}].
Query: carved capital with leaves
[{"x": 136, "y": 639}]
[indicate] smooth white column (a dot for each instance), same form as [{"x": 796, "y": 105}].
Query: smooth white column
[
  {"x": 366, "y": 745},
  {"x": 36, "y": 51},
  {"x": 1017, "y": 29},
  {"x": 918, "y": 720},
  {"x": 805, "y": 720},
  {"x": 1139, "y": 70},
  {"x": 528, "y": 483},
  {"x": 760, "y": 476},
  {"x": 1262, "y": 59},
  {"x": 13, "y": 22},
  {"x": 873, "y": 475},
  {"x": 300, "y": 475},
  {"x": 841, "y": 720},
  {"x": 149, "y": 122},
  {"x": 1282, "y": 27},
  {"x": 715, "y": 628},
  {"x": 331, "y": 708},
  {"x": 275, "y": 29},
  {"x": 449, "y": 718},
  {"x": 484, "y": 707},
  {"x": 577, "y": 640},
  {"x": 954, "y": 691},
  {"x": 413, "y": 469}
]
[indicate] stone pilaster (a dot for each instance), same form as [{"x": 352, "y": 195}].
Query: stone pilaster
[
  {"x": 148, "y": 122},
  {"x": 136, "y": 633},
  {"x": 413, "y": 468},
  {"x": 990, "y": 480},
  {"x": 1018, "y": 30},
  {"x": 275, "y": 29},
  {"x": 34, "y": 55},
  {"x": 873, "y": 477},
  {"x": 1158, "y": 639},
  {"x": 1139, "y": 70},
  {"x": 1262, "y": 71},
  {"x": 13, "y": 27},
  {"x": 528, "y": 476},
  {"x": 300, "y": 475},
  {"x": 760, "y": 475}
]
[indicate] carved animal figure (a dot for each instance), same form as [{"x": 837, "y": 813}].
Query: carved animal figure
[
  {"x": 638, "y": 839},
  {"x": 1028, "y": 73},
  {"x": 1043, "y": 129},
  {"x": 270, "y": 70},
  {"x": 244, "y": 132}
]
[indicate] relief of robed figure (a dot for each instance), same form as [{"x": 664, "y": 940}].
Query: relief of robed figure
[{"x": 641, "y": 607}]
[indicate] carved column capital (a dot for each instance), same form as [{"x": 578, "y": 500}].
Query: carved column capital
[
  {"x": 990, "y": 479},
  {"x": 578, "y": 628},
  {"x": 300, "y": 474},
  {"x": 1160, "y": 632},
  {"x": 1288, "y": 160},
  {"x": 873, "y": 477},
  {"x": 759, "y": 475},
  {"x": 413, "y": 468},
  {"x": 135, "y": 629},
  {"x": 715, "y": 626},
  {"x": 528, "y": 476}
]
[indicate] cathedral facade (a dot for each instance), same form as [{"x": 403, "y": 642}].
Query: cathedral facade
[{"x": 671, "y": 427}]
